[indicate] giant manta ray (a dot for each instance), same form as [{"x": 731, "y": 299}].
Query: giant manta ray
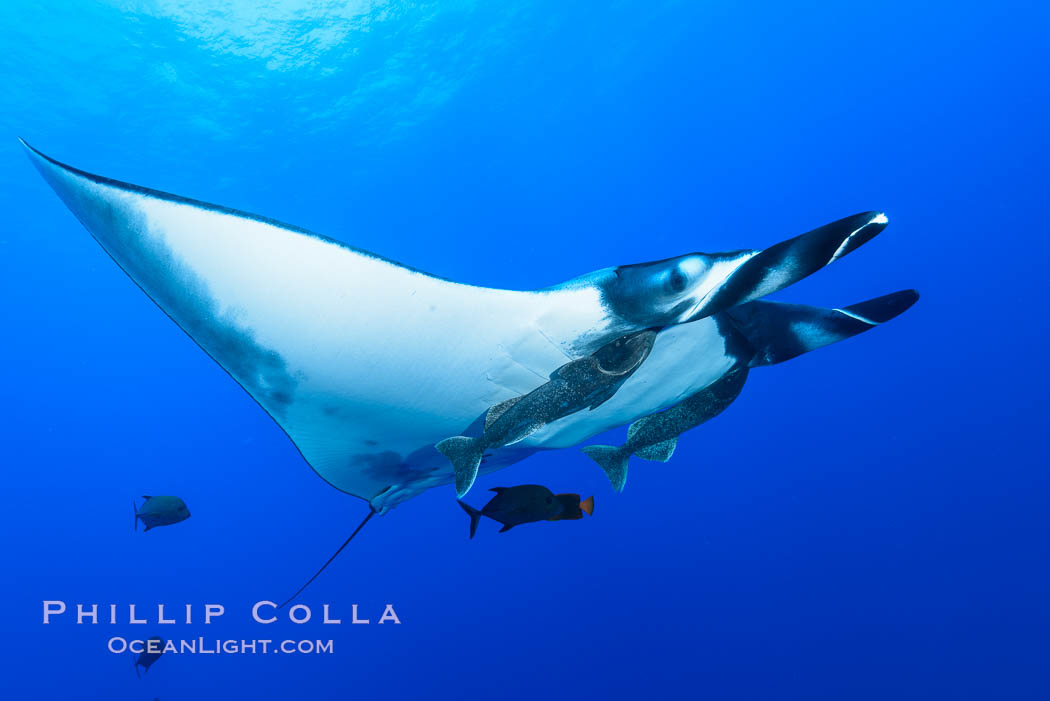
[{"x": 366, "y": 364}]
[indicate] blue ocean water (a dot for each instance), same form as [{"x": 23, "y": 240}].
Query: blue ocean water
[{"x": 869, "y": 520}]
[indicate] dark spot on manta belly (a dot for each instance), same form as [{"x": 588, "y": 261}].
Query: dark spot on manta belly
[
  {"x": 386, "y": 466},
  {"x": 187, "y": 299}
]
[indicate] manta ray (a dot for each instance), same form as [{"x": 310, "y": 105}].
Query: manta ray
[{"x": 366, "y": 363}]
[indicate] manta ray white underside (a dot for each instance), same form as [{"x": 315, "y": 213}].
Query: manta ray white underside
[{"x": 366, "y": 363}]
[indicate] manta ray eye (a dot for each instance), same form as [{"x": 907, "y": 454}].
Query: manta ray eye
[{"x": 676, "y": 280}]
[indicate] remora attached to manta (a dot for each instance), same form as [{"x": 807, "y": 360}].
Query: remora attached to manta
[{"x": 366, "y": 364}]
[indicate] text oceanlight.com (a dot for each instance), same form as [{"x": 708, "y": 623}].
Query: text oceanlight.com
[{"x": 203, "y": 646}]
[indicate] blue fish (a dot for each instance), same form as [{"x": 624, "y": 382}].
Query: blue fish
[{"x": 161, "y": 511}]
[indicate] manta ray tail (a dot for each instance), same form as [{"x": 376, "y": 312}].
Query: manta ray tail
[
  {"x": 611, "y": 459},
  {"x": 474, "y": 514},
  {"x": 334, "y": 555},
  {"x": 465, "y": 456},
  {"x": 777, "y": 332}
]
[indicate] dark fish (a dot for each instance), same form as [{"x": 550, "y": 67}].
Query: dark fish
[
  {"x": 151, "y": 652},
  {"x": 655, "y": 437},
  {"x": 584, "y": 383},
  {"x": 527, "y": 503},
  {"x": 161, "y": 511}
]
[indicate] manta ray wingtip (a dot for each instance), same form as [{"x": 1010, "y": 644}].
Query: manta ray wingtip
[
  {"x": 37, "y": 157},
  {"x": 29, "y": 147}
]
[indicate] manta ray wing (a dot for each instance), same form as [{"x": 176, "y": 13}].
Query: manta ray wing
[{"x": 360, "y": 360}]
